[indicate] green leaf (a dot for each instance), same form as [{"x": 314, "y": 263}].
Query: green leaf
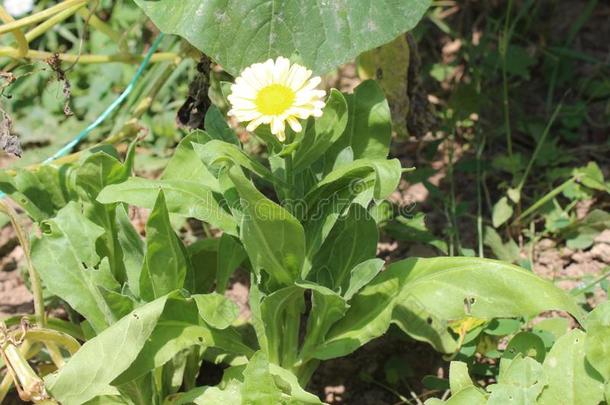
[
  {"x": 185, "y": 198},
  {"x": 99, "y": 169},
  {"x": 458, "y": 377},
  {"x": 390, "y": 65},
  {"x": 503, "y": 327},
  {"x": 118, "y": 346},
  {"x": 132, "y": 248},
  {"x": 217, "y": 310},
  {"x": 570, "y": 378},
  {"x": 216, "y": 153},
  {"x": 185, "y": 164},
  {"x": 520, "y": 383},
  {"x": 273, "y": 238},
  {"x": 360, "y": 276},
  {"x": 231, "y": 394},
  {"x": 352, "y": 240},
  {"x": 525, "y": 344},
  {"x": 322, "y": 132},
  {"x": 555, "y": 326},
  {"x": 217, "y": 127},
  {"x": 327, "y": 307},
  {"x": 468, "y": 287},
  {"x": 275, "y": 309},
  {"x": 468, "y": 396},
  {"x": 508, "y": 252},
  {"x": 204, "y": 258},
  {"x": 230, "y": 255},
  {"x": 323, "y": 35},
  {"x": 502, "y": 211},
  {"x": 597, "y": 344},
  {"x": 59, "y": 255},
  {"x": 414, "y": 229},
  {"x": 166, "y": 263},
  {"x": 386, "y": 176},
  {"x": 369, "y": 126},
  {"x": 40, "y": 193},
  {"x": 259, "y": 387},
  {"x": 179, "y": 328},
  {"x": 290, "y": 385},
  {"x": 591, "y": 176},
  {"x": 416, "y": 321}
]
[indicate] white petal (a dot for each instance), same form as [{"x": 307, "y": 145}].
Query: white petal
[
  {"x": 281, "y": 70},
  {"x": 243, "y": 88},
  {"x": 241, "y": 103},
  {"x": 263, "y": 72},
  {"x": 254, "y": 124},
  {"x": 313, "y": 83},
  {"x": 294, "y": 124},
  {"x": 250, "y": 79},
  {"x": 300, "y": 112},
  {"x": 277, "y": 127},
  {"x": 297, "y": 77}
]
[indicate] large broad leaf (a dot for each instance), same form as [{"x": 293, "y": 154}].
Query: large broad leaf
[
  {"x": 40, "y": 193},
  {"x": 273, "y": 238},
  {"x": 597, "y": 345},
  {"x": 570, "y": 378},
  {"x": 64, "y": 256},
  {"x": 324, "y": 34},
  {"x": 186, "y": 198},
  {"x": 178, "y": 328},
  {"x": 321, "y": 133},
  {"x": 386, "y": 178},
  {"x": 132, "y": 248},
  {"x": 276, "y": 311},
  {"x": 521, "y": 382},
  {"x": 357, "y": 182},
  {"x": 186, "y": 165},
  {"x": 218, "y": 152},
  {"x": 217, "y": 127},
  {"x": 327, "y": 307},
  {"x": 352, "y": 240},
  {"x": 91, "y": 370},
  {"x": 230, "y": 255},
  {"x": 216, "y": 309},
  {"x": 369, "y": 128},
  {"x": 97, "y": 169},
  {"x": 267, "y": 383},
  {"x": 447, "y": 288},
  {"x": 166, "y": 262}
]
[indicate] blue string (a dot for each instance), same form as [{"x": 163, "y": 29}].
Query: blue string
[{"x": 67, "y": 148}]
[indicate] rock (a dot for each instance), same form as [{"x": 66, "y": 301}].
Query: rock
[
  {"x": 601, "y": 252},
  {"x": 603, "y": 237}
]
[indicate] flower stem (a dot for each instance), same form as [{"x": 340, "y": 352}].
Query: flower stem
[
  {"x": 34, "y": 277},
  {"x": 87, "y": 58},
  {"x": 51, "y": 22},
  {"x": 40, "y": 16},
  {"x": 22, "y": 42}
]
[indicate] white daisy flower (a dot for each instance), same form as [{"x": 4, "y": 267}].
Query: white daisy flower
[
  {"x": 274, "y": 93},
  {"x": 18, "y": 8}
]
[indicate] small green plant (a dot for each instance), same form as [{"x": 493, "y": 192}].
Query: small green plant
[{"x": 302, "y": 220}]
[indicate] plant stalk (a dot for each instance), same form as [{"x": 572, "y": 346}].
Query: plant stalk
[
  {"x": 34, "y": 277},
  {"x": 87, "y": 58},
  {"x": 51, "y": 22},
  {"x": 22, "y": 42},
  {"x": 40, "y": 16}
]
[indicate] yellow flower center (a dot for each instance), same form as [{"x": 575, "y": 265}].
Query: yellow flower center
[{"x": 274, "y": 99}]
